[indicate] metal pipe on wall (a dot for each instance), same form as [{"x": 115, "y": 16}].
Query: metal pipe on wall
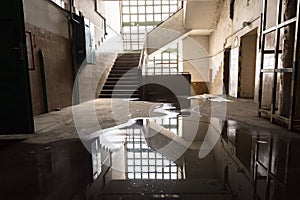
[
  {"x": 73, "y": 53},
  {"x": 43, "y": 78}
]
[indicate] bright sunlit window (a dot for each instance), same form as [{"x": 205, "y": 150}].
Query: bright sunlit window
[
  {"x": 140, "y": 16},
  {"x": 60, "y": 3}
]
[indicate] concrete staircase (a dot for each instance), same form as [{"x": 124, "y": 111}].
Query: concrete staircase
[{"x": 122, "y": 81}]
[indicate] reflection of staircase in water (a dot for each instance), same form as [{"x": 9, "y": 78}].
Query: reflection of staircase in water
[
  {"x": 201, "y": 186},
  {"x": 122, "y": 80}
]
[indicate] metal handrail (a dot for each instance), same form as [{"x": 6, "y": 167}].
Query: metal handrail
[
  {"x": 143, "y": 56},
  {"x": 113, "y": 30},
  {"x": 103, "y": 18}
]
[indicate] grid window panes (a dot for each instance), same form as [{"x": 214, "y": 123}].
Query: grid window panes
[
  {"x": 140, "y": 16},
  {"x": 164, "y": 63},
  {"x": 60, "y": 3},
  {"x": 169, "y": 123},
  {"x": 145, "y": 163}
]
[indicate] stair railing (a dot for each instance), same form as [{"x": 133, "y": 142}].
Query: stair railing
[
  {"x": 144, "y": 54},
  {"x": 142, "y": 66}
]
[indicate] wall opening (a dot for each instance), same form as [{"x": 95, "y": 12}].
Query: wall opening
[
  {"x": 226, "y": 70},
  {"x": 246, "y": 84}
]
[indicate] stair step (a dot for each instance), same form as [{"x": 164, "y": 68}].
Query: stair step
[
  {"x": 121, "y": 71},
  {"x": 127, "y": 96},
  {"x": 129, "y": 92},
  {"x": 129, "y": 55},
  {"x": 131, "y": 72},
  {"x": 123, "y": 80},
  {"x": 124, "y": 68},
  {"x": 120, "y": 87},
  {"x": 123, "y": 76},
  {"x": 127, "y": 65},
  {"x": 129, "y": 59},
  {"x": 112, "y": 83}
]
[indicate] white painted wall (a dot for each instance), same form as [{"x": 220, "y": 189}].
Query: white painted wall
[
  {"x": 113, "y": 15},
  {"x": 113, "y": 41}
]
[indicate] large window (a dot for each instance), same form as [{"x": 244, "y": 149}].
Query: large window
[
  {"x": 172, "y": 124},
  {"x": 141, "y": 16},
  {"x": 60, "y": 3},
  {"x": 164, "y": 63}
]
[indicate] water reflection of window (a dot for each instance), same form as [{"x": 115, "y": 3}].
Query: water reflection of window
[
  {"x": 145, "y": 163},
  {"x": 96, "y": 158},
  {"x": 169, "y": 123}
]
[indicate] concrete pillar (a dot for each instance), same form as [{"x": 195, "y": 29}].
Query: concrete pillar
[{"x": 289, "y": 11}]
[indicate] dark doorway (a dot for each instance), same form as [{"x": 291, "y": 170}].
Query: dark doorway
[
  {"x": 16, "y": 109},
  {"x": 247, "y": 65},
  {"x": 226, "y": 70}
]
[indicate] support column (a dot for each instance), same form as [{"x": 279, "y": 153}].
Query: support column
[{"x": 288, "y": 38}]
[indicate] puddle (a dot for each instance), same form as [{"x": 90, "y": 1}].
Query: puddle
[
  {"x": 211, "y": 97},
  {"x": 156, "y": 158}
]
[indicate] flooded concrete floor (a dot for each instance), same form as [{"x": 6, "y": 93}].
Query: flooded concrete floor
[{"x": 208, "y": 150}]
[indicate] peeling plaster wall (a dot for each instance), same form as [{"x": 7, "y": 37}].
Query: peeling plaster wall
[
  {"x": 228, "y": 34},
  {"x": 46, "y": 15},
  {"x": 48, "y": 25},
  {"x": 248, "y": 66}
]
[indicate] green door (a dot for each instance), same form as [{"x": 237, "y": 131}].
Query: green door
[{"x": 15, "y": 105}]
